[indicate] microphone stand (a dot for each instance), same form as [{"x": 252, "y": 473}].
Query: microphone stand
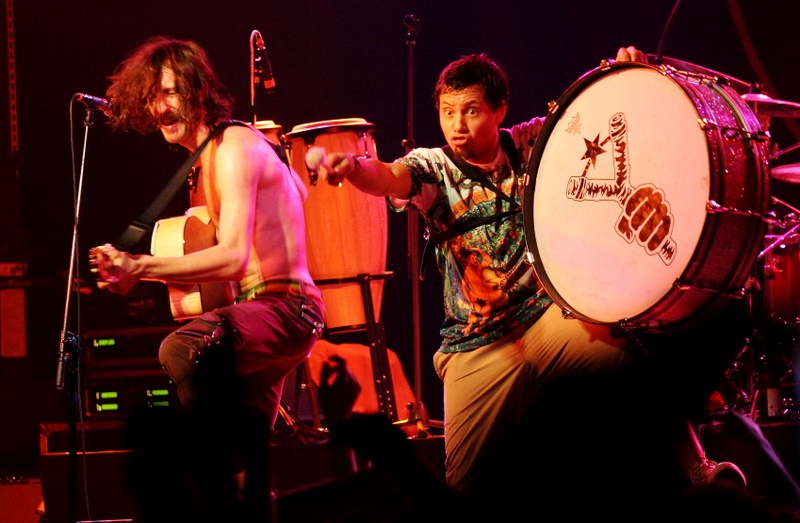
[
  {"x": 253, "y": 82},
  {"x": 418, "y": 414},
  {"x": 67, "y": 368}
]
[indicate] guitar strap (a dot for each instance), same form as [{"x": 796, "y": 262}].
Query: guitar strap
[{"x": 144, "y": 223}]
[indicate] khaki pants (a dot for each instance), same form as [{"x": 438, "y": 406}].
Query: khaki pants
[{"x": 487, "y": 390}]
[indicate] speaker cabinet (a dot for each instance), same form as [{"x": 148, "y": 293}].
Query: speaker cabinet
[
  {"x": 101, "y": 487},
  {"x": 21, "y": 500}
]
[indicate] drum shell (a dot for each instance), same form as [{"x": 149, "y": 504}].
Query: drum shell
[
  {"x": 346, "y": 229},
  {"x": 727, "y": 191},
  {"x": 782, "y": 280}
]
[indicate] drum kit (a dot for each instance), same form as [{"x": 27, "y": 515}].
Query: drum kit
[{"x": 648, "y": 207}]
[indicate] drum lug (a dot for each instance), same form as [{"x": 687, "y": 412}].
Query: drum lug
[
  {"x": 651, "y": 327},
  {"x": 529, "y": 259},
  {"x": 735, "y": 293},
  {"x": 712, "y": 207},
  {"x": 731, "y": 133}
]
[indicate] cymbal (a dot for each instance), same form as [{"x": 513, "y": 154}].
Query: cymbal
[
  {"x": 772, "y": 107},
  {"x": 786, "y": 173}
]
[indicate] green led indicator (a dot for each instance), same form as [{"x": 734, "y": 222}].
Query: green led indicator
[
  {"x": 108, "y": 395},
  {"x": 104, "y": 342},
  {"x": 158, "y": 392},
  {"x": 101, "y": 407},
  {"x": 159, "y": 404}
]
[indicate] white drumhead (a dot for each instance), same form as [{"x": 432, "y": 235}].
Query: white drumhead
[{"x": 593, "y": 268}]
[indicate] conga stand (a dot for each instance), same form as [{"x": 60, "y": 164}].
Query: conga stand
[{"x": 379, "y": 356}]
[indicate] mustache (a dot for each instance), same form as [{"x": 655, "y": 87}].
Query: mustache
[{"x": 168, "y": 118}]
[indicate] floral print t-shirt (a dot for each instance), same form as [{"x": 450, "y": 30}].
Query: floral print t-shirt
[{"x": 490, "y": 287}]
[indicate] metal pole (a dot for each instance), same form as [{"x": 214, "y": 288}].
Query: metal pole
[{"x": 418, "y": 414}]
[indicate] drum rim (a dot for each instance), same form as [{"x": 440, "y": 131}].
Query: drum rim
[
  {"x": 263, "y": 125},
  {"x": 329, "y": 125}
]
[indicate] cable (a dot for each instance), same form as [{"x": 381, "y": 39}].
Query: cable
[{"x": 659, "y": 53}]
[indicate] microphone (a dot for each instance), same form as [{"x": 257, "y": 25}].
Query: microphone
[
  {"x": 411, "y": 23},
  {"x": 94, "y": 102},
  {"x": 262, "y": 70}
]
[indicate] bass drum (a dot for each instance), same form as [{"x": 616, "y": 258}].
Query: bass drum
[{"x": 645, "y": 197}]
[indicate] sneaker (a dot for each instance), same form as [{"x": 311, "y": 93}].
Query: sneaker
[{"x": 707, "y": 471}]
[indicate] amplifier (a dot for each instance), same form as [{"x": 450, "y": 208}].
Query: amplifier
[
  {"x": 116, "y": 394},
  {"x": 122, "y": 372},
  {"x": 123, "y": 347}
]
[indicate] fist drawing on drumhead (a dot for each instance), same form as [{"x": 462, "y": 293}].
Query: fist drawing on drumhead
[
  {"x": 646, "y": 214},
  {"x": 646, "y": 217}
]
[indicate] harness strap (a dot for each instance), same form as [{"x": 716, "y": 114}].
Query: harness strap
[{"x": 507, "y": 143}]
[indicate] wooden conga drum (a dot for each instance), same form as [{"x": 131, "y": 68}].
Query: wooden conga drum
[
  {"x": 346, "y": 229},
  {"x": 271, "y": 130}
]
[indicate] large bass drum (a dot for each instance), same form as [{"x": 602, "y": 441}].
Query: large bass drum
[{"x": 646, "y": 194}]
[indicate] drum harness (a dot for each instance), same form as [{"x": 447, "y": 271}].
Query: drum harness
[{"x": 457, "y": 229}]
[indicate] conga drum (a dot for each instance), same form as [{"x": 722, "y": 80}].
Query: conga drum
[
  {"x": 271, "y": 130},
  {"x": 346, "y": 229},
  {"x": 646, "y": 196}
]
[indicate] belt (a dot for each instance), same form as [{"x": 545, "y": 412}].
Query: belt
[{"x": 281, "y": 287}]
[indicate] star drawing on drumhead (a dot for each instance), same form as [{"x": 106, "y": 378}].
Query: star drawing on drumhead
[{"x": 593, "y": 149}]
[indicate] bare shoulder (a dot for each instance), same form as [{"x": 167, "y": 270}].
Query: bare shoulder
[
  {"x": 241, "y": 135},
  {"x": 240, "y": 139}
]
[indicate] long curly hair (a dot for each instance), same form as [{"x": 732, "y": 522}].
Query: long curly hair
[{"x": 136, "y": 83}]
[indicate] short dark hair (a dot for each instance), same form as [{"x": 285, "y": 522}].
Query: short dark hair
[{"x": 474, "y": 69}]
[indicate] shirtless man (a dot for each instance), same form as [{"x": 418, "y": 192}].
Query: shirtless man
[{"x": 255, "y": 203}]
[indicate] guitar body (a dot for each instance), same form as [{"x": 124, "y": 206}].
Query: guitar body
[{"x": 182, "y": 235}]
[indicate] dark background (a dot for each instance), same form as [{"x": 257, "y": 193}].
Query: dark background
[{"x": 331, "y": 60}]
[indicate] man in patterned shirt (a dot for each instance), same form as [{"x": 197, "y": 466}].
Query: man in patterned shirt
[{"x": 503, "y": 344}]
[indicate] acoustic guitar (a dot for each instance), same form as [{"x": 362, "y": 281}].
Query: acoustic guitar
[{"x": 177, "y": 236}]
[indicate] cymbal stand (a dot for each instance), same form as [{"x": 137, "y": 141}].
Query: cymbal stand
[
  {"x": 778, "y": 154},
  {"x": 779, "y": 240}
]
